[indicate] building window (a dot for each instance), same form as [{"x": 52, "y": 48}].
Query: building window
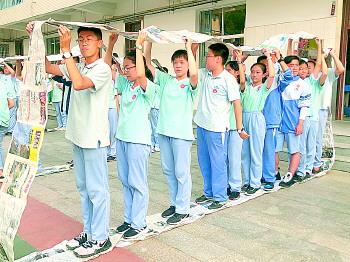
[
  {"x": 131, "y": 27},
  {"x": 53, "y": 46},
  {"x": 4, "y": 50},
  {"x": 19, "y": 47},
  {"x": 9, "y": 3},
  {"x": 227, "y": 22}
]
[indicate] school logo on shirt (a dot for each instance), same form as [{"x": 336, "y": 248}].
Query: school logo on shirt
[
  {"x": 215, "y": 90},
  {"x": 133, "y": 97},
  {"x": 182, "y": 86}
]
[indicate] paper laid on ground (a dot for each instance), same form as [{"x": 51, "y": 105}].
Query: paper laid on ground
[{"x": 22, "y": 159}]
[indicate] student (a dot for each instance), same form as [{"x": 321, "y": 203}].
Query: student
[
  {"x": 113, "y": 97},
  {"x": 234, "y": 141},
  {"x": 310, "y": 74},
  {"x": 134, "y": 140},
  {"x": 296, "y": 101},
  {"x": 273, "y": 115},
  {"x": 87, "y": 129},
  {"x": 253, "y": 96},
  {"x": 218, "y": 89},
  {"x": 325, "y": 107},
  {"x": 57, "y": 94},
  {"x": 10, "y": 79},
  {"x": 175, "y": 131},
  {"x": 7, "y": 96}
]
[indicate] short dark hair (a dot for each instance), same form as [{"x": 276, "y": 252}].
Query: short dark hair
[
  {"x": 233, "y": 65},
  {"x": 312, "y": 62},
  {"x": 179, "y": 53},
  {"x": 290, "y": 58},
  {"x": 260, "y": 58},
  {"x": 261, "y": 65},
  {"x": 302, "y": 62},
  {"x": 220, "y": 49},
  {"x": 97, "y": 32},
  {"x": 131, "y": 55}
]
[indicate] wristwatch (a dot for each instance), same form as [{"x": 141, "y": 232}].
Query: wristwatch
[
  {"x": 67, "y": 55},
  {"x": 139, "y": 47},
  {"x": 280, "y": 60},
  {"x": 239, "y": 131}
]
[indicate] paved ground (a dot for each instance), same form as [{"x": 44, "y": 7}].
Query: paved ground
[{"x": 309, "y": 222}]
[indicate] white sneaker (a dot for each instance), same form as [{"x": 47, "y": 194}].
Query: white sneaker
[
  {"x": 93, "y": 248},
  {"x": 156, "y": 149},
  {"x": 287, "y": 177},
  {"x": 77, "y": 241}
]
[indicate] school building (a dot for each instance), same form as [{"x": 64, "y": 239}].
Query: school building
[{"x": 247, "y": 22}]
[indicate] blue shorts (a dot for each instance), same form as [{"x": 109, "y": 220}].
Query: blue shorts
[{"x": 293, "y": 142}]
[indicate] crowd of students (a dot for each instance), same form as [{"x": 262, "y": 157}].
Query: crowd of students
[{"x": 242, "y": 120}]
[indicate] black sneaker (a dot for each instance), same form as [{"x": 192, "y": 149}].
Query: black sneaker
[
  {"x": 234, "y": 195},
  {"x": 287, "y": 181},
  {"x": 111, "y": 158},
  {"x": 177, "y": 219},
  {"x": 77, "y": 241},
  {"x": 169, "y": 212},
  {"x": 217, "y": 205},
  {"x": 123, "y": 227},
  {"x": 203, "y": 199},
  {"x": 228, "y": 191},
  {"x": 298, "y": 179},
  {"x": 262, "y": 180},
  {"x": 93, "y": 248},
  {"x": 251, "y": 191},
  {"x": 133, "y": 233},
  {"x": 244, "y": 188},
  {"x": 307, "y": 176},
  {"x": 269, "y": 186},
  {"x": 278, "y": 176}
]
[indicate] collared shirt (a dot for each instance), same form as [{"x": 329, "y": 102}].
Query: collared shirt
[
  {"x": 176, "y": 106},
  {"x": 216, "y": 94},
  {"x": 134, "y": 125},
  {"x": 87, "y": 123}
]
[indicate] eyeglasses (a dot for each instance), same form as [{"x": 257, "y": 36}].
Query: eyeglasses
[
  {"x": 127, "y": 69},
  {"x": 88, "y": 41}
]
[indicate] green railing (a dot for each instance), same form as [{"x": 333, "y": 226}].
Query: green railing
[{"x": 9, "y": 3}]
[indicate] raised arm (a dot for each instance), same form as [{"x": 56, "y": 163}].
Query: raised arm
[
  {"x": 79, "y": 82},
  {"x": 280, "y": 60},
  {"x": 290, "y": 47},
  {"x": 12, "y": 72},
  {"x": 238, "y": 54},
  {"x": 140, "y": 64},
  {"x": 318, "y": 65},
  {"x": 49, "y": 68},
  {"x": 270, "y": 68},
  {"x": 148, "y": 57},
  {"x": 324, "y": 74},
  {"x": 192, "y": 66},
  {"x": 113, "y": 37},
  {"x": 339, "y": 67},
  {"x": 19, "y": 70}
]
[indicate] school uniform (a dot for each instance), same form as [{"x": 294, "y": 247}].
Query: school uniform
[
  {"x": 296, "y": 99},
  {"x": 11, "y": 83},
  {"x": 234, "y": 153},
  {"x": 310, "y": 128},
  {"x": 273, "y": 115},
  {"x": 133, "y": 148},
  {"x": 154, "y": 120},
  {"x": 6, "y": 92},
  {"x": 87, "y": 129},
  {"x": 57, "y": 94},
  {"x": 212, "y": 118},
  {"x": 175, "y": 137},
  {"x": 113, "y": 121},
  {"x": 253, "y": 101},
  {"x": 325, "y": 106}
]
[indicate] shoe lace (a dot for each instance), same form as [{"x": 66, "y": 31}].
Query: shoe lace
[
  {"x": 89, "y": 243},
  {"x": 81, "y": 237}
]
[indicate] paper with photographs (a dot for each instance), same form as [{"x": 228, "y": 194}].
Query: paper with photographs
[{"x": 21, "y": 163}]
